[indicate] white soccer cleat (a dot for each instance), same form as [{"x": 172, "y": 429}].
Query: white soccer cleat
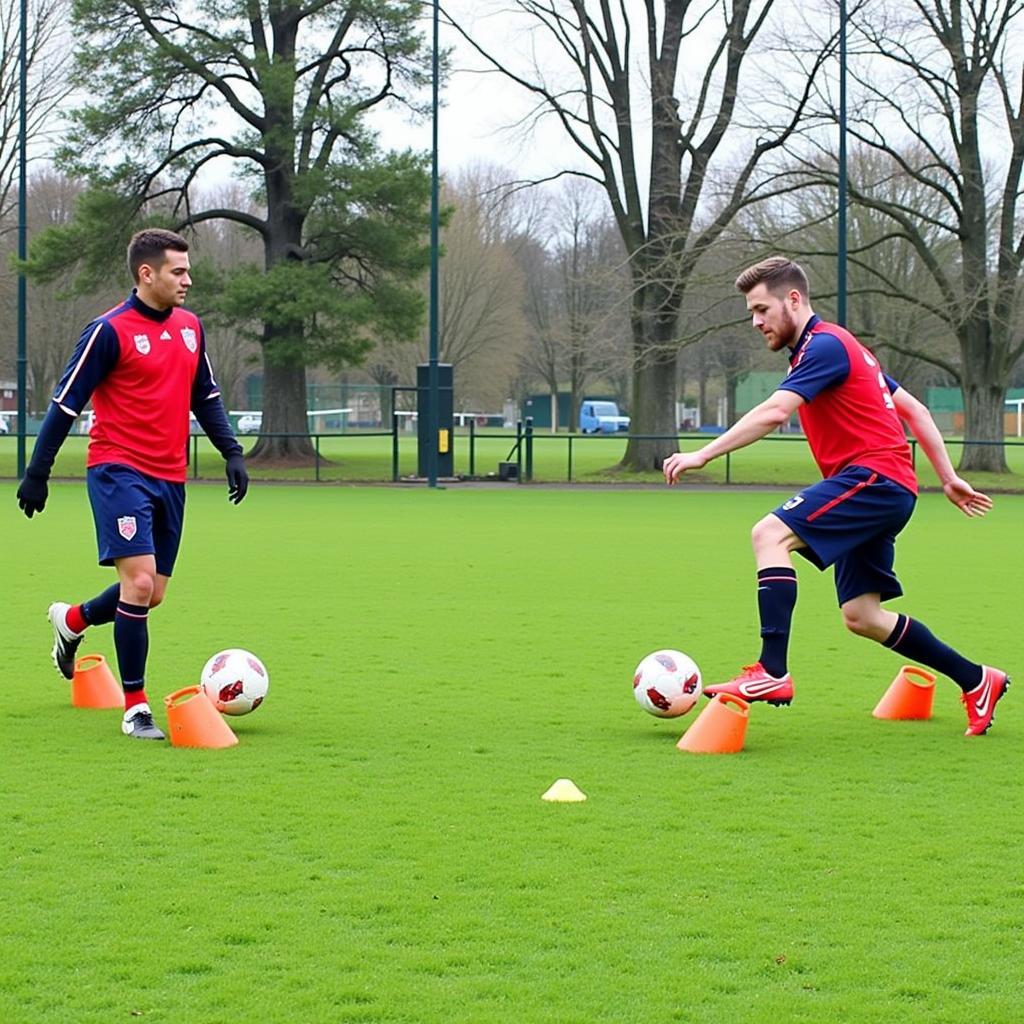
[
  {"x": 138, "y": 723},
  {"x": 65, "y": 639}
]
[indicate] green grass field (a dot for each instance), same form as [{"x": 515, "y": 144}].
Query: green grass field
[{"x": 375, "y": 848}]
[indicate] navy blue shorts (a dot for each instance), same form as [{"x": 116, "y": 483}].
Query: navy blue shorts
[
  {"x": 135, "y": 514},
  {"x": 850, "y": 520}
]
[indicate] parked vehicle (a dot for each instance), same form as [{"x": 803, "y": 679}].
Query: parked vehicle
[
  {"x": 601, "y": 418},
  {"x": 250, "y": 422}
]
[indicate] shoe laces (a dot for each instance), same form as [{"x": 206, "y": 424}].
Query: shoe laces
[
  {"x": 749, "y": 671},
  {"x": 142, "y": 719}
]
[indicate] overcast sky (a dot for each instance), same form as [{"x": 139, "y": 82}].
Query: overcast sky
[{"x": 478, "y": 108}]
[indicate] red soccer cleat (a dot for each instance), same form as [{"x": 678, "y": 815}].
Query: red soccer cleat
[
  {"x": 754, "y": 684},
  {"x": 982, "y": 700}
]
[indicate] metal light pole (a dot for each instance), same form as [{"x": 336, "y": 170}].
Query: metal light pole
[
  {"x": 433, "y": 390},
  {"x": 22, "y": 234},
  {"x": 841, "y": 271}
]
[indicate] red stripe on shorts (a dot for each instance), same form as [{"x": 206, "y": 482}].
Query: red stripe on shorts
[{"x": 842, "y": 497}]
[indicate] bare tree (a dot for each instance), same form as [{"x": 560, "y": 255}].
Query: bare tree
[
  {"x": 482, "y": 328},
  {"x": 590, "y": 261},
  {"x": 46, "y": 68},
  {"x": 542, "y": 357},
  {"x": 916, "y": 346},
  {"x": 668, "y": 226},
  {"x": 56, "y": 313},
  {"x": 939, "y": 84}
]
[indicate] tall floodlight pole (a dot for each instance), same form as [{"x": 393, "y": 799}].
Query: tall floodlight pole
[
  {"x": 841, "y": 271},
  {"x": 435, "y": 213},
  {"x": 22, "y": 234}
]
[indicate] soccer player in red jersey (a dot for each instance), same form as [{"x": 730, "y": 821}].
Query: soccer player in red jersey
[
  {"x": 144, "y": 365},
  {"x": 853, "y": 416}
]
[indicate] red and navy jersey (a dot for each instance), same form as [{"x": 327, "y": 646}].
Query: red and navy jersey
[
  {"x": 144, "y": 370},
  {"x": 849, "y": 416}
]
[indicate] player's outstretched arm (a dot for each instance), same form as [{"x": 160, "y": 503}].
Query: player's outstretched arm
[
  {"x": 917, "y": 417},
  {"x": 750, "y": 427}
]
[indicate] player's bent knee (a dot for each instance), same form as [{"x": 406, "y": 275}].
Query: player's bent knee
[
  {"x": 855, "y": 623},
  {"x": 138, "y": 588},
  {"x": 864, "y": 624},
  {"x": 768, "y": 532}
]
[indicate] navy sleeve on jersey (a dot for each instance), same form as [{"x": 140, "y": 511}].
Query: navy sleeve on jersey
[
  {"x": 204, "y": 386},
  {"x": 890, "y": 384},
  {"x": 207, "y": 407},
  {"x": 52, "y": 434},
  {"x": 95, "y": 355},
  {"x": 822, "y": 363},
  {"x": 214, "y": 421}
]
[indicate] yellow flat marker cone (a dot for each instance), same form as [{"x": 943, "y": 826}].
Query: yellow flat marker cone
[{"x": 564, "y": 791}]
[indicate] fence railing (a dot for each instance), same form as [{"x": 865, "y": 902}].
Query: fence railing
[
  {"x": 527, "y": 437},
  {"x": 527, "y": 454}
]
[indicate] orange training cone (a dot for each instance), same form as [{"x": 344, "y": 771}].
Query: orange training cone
[
  {"x": 93, "y": 684},
  {"x": 719, "y": 728},
  {"x": 909, "y": 695},
  {"x": 193, "y": 721}
]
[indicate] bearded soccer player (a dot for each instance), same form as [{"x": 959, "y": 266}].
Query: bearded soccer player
[
  {"x": 853, "y": 416},
  {"x": 144, "y": 365}
]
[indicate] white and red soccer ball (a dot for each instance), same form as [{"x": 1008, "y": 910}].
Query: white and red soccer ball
[
  {"x": 667, "y": 684},
  {"x": 236, "y": 681}
]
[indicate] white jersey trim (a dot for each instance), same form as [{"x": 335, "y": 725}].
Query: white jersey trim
[
  {"x": 64, "y": 408},
  {"x": 58, "y": 398}
]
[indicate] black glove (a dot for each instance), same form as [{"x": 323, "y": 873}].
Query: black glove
[
  {"x": 33, "y": 492},
  {"x": 238, "y": 478}
]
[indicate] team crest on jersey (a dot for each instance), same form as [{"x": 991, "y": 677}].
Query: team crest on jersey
[
  {"x": 189, "y": 337},
  {"x": 126, "y": 526},
  {"x": 142, "y": 343}
]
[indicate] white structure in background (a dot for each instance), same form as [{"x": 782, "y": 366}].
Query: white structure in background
[{"x": 1019, "y": 402}]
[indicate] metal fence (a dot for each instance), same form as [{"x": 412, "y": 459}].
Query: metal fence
[{"x": 524, "y": 455}]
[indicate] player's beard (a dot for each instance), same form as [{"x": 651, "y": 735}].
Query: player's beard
[{"x": 785, "y": 336}]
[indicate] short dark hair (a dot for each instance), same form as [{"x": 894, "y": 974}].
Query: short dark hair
[
  {"x": 149, "y": 246},
  {"x": 779, "y": 273}
]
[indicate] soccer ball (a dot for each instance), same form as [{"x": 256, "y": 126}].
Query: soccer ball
[
  {"x": 667, "y": 684},
  {"x": 236, "y": 681}
]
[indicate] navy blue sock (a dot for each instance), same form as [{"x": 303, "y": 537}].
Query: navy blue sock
[
  {"x": 776, "y": 599},
  {"x": 131, "y": 641},
  {"x": 103, "y": 607},
  {"x": 916, "y": 642}
]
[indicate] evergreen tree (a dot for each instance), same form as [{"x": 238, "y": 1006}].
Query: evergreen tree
[{"x": 281, "y": 91}]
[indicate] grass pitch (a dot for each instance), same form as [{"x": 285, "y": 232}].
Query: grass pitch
[{"x": 375, "y": 848}]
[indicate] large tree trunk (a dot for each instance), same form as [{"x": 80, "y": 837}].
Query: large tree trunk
[
  {"x": 984, "y": 409},
  {"x": 653, "y": 432},
  {"x": 984, "y": 386},
  {"x": 284, "y": 363},
  {"x": 284, "y": 406},
  {"x": 654, "y": 383}
]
